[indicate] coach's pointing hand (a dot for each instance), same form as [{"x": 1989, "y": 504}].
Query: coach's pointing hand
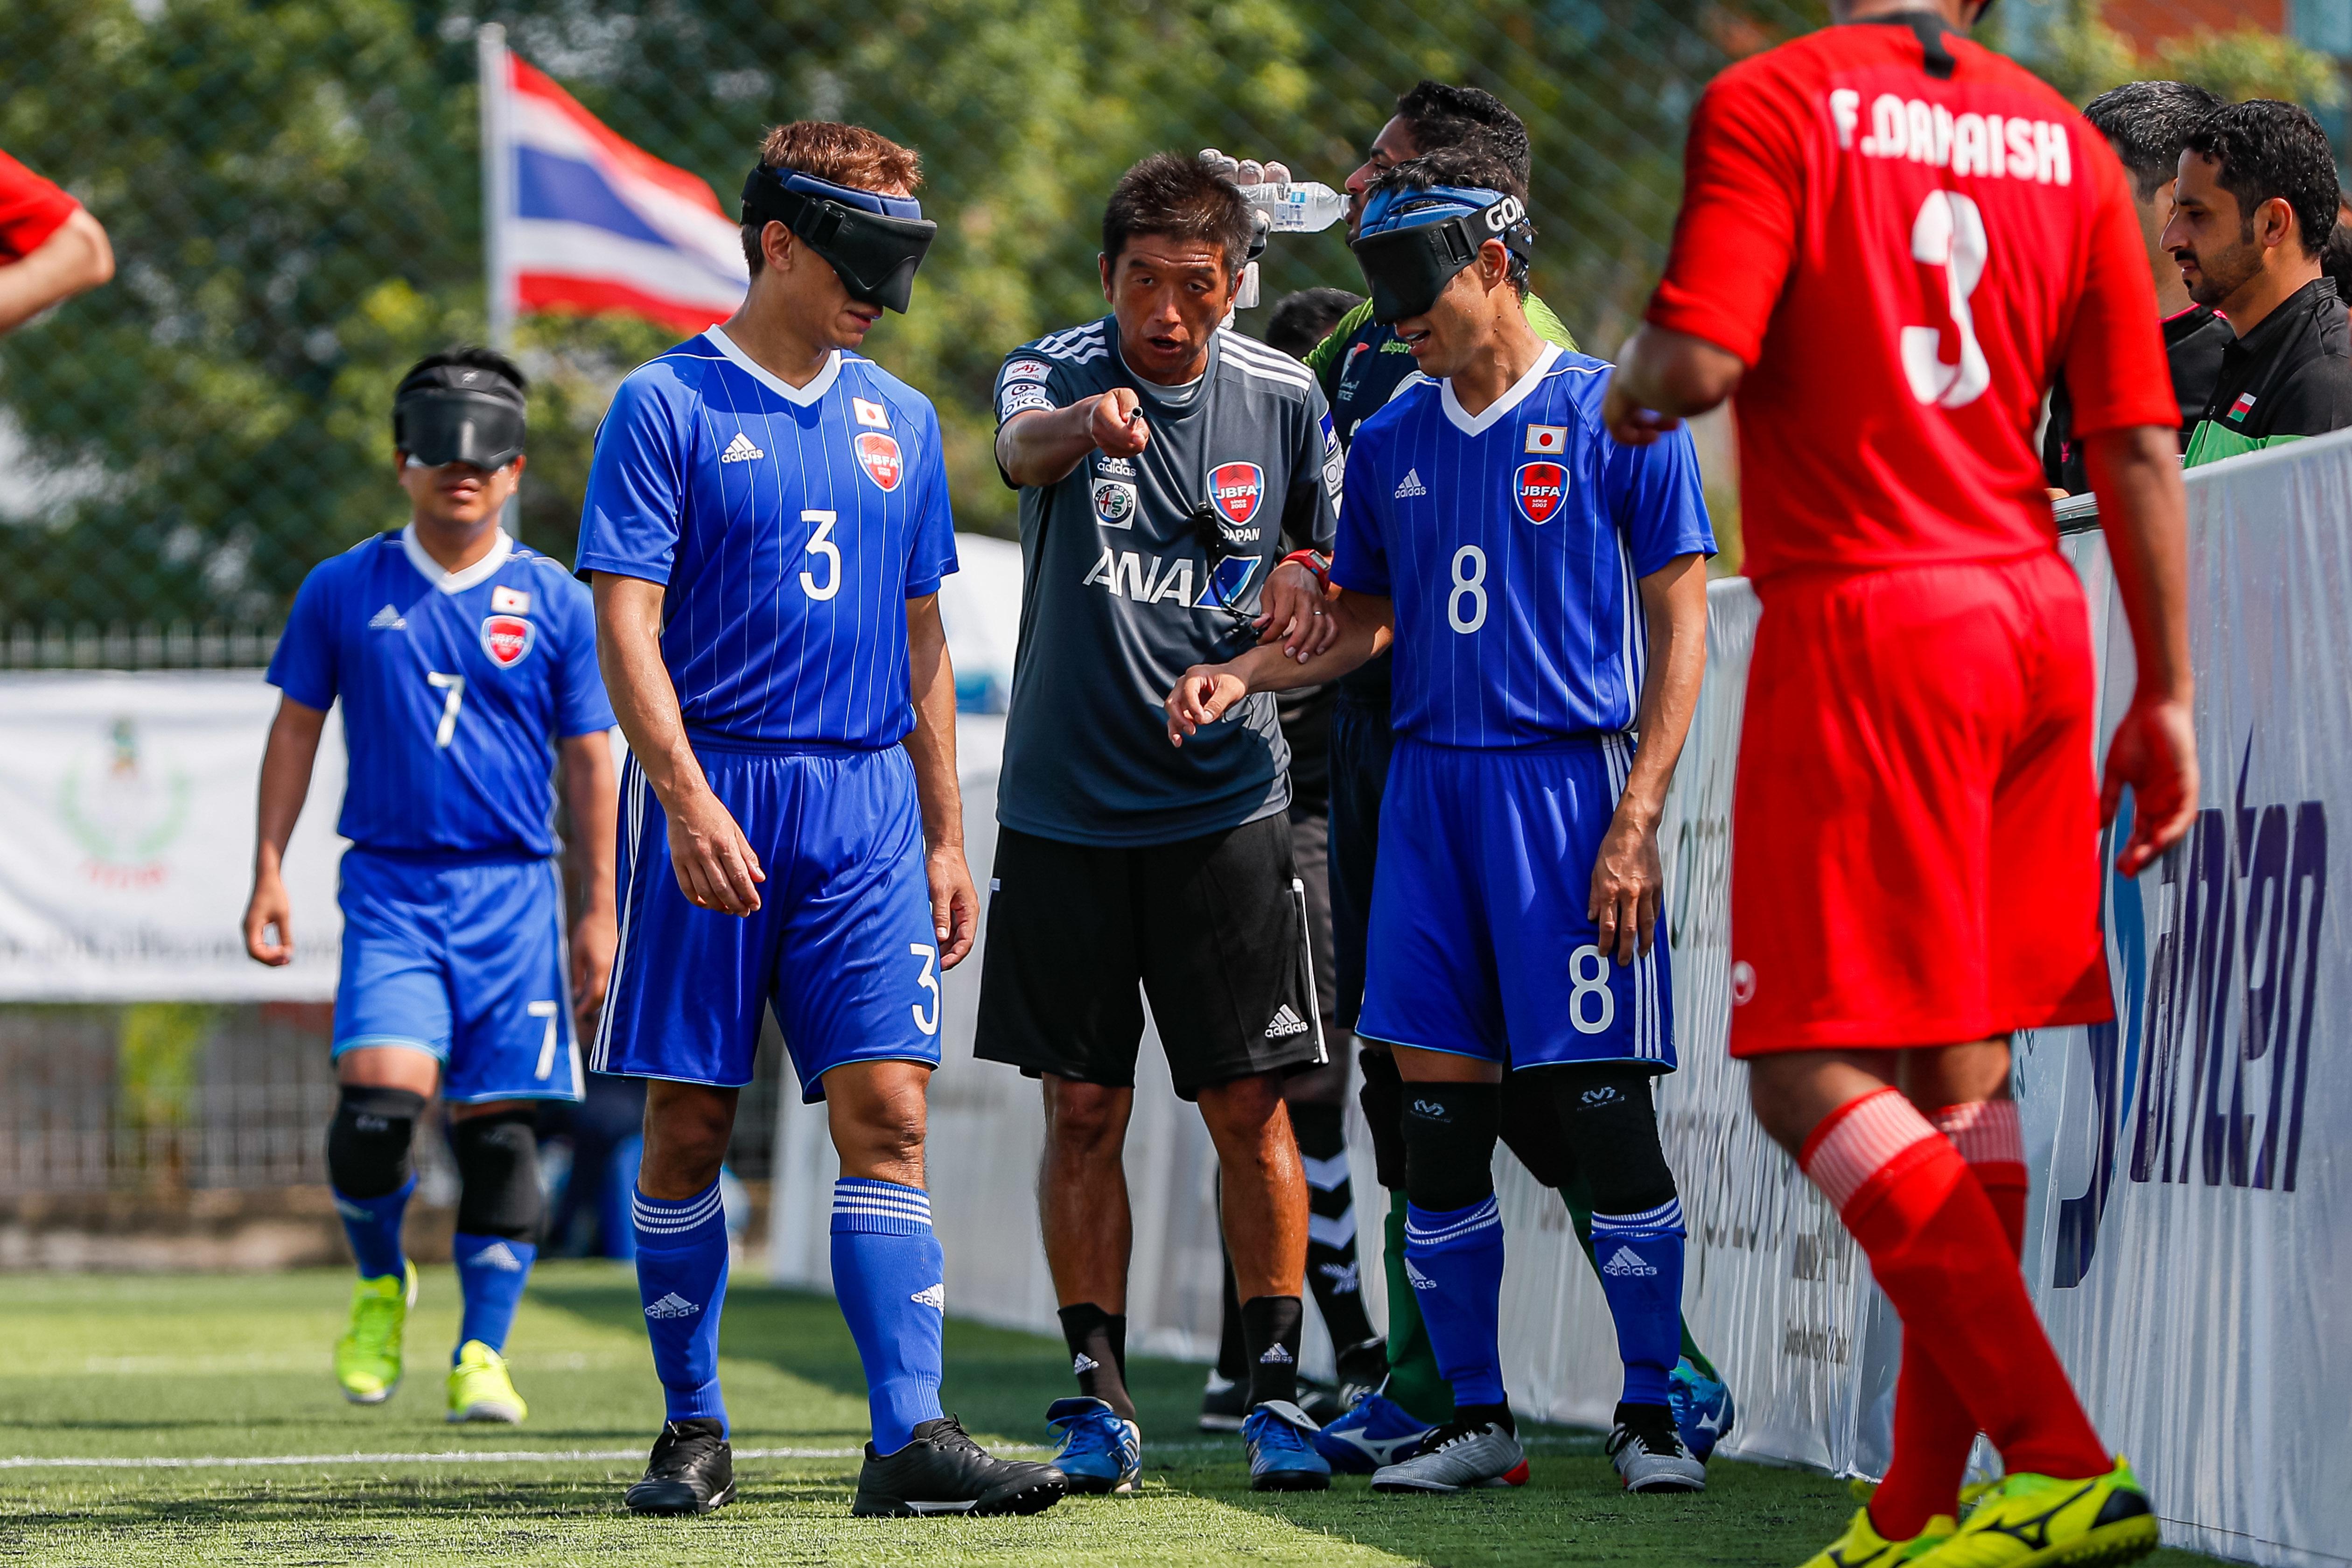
[
  {"x": 1202, "y": 696},
  {"x": 716, "y": 865},
  {"x": 1118, "y": 424}
]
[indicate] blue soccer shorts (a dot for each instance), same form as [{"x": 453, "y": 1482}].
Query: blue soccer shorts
[
  {"x": 465, "y": 959},
  {"x": 841, "y": 946},
  {"x": 1480, "y": 944}
]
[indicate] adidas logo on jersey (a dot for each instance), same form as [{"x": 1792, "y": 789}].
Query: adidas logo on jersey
[
  {"x": 1286, "y": 1024},
  {"x": 1275, "y": 1356},
  {"x": 740, "y": 450},
  {"x": 1626, "y": 1264},
  {"x": 1410, "y": 485},
  {"x": 672, "y": 1306},
  {"x": 500, "y": 1257},
  {"x": 388, "y": 620},
  {"x": 935, "y": 1296},
  {"x": 1082, "y": 1363}
]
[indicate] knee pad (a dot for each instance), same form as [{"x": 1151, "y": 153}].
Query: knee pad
[
  {"x": 498, "y": 1175},
  {"x": 1382, "y": 1097},
  {"x": 367, "y": 1141},
  {"x": 1612, "y": 1123},
  {"x": 1449, "y": 1138},
  {"x": 1532, "y": 1132}
]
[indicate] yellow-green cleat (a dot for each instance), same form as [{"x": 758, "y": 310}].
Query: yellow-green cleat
[
  {"x": 367, "y": 1358},
  {"x": 2041, "y": 1521},
  {"x": 479, "y": 1388},
  {"x": 1863, "y": 1547}
]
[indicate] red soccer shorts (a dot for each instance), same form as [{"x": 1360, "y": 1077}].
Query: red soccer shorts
[{"x": 1916, "y": 821}]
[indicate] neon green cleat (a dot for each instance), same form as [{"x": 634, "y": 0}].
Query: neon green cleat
[
  {"x": 1863, "y": 1547},
  {"x": 367, "y": 1358},
  {"x": 2040, "y": 1522},
  {"x": 479, "y": 1388}
]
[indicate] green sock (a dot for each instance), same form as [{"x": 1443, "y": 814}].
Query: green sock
[
  {"x": 1414, "y": 1381},
  {"x": 1580, "y": 1215}
]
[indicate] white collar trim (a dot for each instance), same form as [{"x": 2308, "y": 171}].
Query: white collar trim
[
  {"x": 481, "y": 571},
  {"x": 1501, "y": 407},
  {"x": 802, "y": 395}
]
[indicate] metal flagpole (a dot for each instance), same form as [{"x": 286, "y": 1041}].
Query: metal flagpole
[{"x": 498, "y": 201}]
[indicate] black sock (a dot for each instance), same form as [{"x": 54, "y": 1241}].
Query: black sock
[
  {"x": 1098, "y": 1342},
  {"x": 1486, "y": 1416},
  {"x": 1332, "y": 1272},
  {"x": 1270, "y": 1327},
  {"x": 1233, "y": 1351}
]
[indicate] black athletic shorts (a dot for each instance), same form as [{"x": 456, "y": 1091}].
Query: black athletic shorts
[{"x": 1213, "y": 929}]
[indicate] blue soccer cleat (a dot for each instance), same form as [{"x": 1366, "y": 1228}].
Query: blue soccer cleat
[
  {"x": 1702, "y": 1406},
  {"x": 1100, "y": 1451},
  {"x": 1377, "y": 1433},
  {"x": 1279, "y": 1437}
]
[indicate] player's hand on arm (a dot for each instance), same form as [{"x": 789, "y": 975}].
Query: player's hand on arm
[
  {"x": 1040, "y": 447},
  {"x": 592, "y": 792},
  {"x": 1629, "y": 875},
  {"x": 1293, "y": 609},
  {"x": 75, "y": 257},
  {"x": 931, "y": 745},
  {"x": 716, "y": 866},
  {"x": 1663, "y": 378},
  {"x": 1206, "y": 692},
  {"x": 2135, "y": 474},
  {"x": 285, "y": 784}
]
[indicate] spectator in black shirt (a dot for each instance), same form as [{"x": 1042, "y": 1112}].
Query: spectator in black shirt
[{"x": 2146, "y": 122}]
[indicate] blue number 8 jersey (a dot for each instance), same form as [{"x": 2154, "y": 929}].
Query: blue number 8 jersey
[
  {"x": 790, "y": 526},
  {"x": 453, "y": 686},
  {"x": 1511, "y": 542}
]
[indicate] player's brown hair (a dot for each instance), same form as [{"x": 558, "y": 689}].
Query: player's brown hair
[{"x": 845, "y": 154}]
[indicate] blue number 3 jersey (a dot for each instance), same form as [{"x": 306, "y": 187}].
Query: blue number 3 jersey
[
  {"x": 790, "y": 526},
  {"x": 454, "y": 687},
  {"x": 1511, "y": 542}
]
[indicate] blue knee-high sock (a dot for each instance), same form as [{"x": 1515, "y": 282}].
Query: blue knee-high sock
[
  {"x": 1454, "y": 1260},
  {"x": 1641, "y": 1259},
  {"x": 374, "y": 1225},
  {"x": 491, "y": 1273},
  {"x": 682, "y": 1280},
  {"x": 887, "y": 1274}
]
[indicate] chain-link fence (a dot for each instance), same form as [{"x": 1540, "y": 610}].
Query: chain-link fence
[{"x": 293, "y": 193}]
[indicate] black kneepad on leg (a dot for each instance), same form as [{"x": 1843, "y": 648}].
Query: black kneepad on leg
[
  {"x": 498, "y": 1175},
  {"x": 1612, "y": 1123},
  {"x": 367, "y": 1141},
  {"x": 1382, "y": 1097},
  {"x": 1449, "y": 1139}
]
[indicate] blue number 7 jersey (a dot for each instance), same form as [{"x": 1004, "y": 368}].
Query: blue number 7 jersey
[
  {"x": 1512, "y": 542},
  {"x": 454, "y": 687}
]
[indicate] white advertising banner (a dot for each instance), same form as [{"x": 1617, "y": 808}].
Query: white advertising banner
[{"x": 128, "y": 851}]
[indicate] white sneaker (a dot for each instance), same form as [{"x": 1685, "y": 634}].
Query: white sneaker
[
  {"x": 1456, "y": 1457},
  {"x": 1650, "y": 1453}
]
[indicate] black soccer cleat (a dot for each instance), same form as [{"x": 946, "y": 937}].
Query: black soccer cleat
[
  {"x": 942, "y": 1470},
  {"x": 692, "y": 1470}
]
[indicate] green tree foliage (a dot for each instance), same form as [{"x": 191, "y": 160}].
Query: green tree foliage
[{"x": 2071, "y": 46}]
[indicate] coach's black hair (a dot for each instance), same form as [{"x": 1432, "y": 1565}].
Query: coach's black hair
[
  {"x": 1442, "y": 116},
  {"x": 1481, "y": 162},
  {"x": 1178, "y": 198},
  {"x": 2146, "y": 122},
  {"x": 469, "y": 356},
  {"x": 1302, "y": 320},
  {"x": 2270, "y": 150}
]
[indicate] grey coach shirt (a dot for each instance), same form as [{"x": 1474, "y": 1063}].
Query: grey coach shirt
[{"x": 1121, "y": 593}]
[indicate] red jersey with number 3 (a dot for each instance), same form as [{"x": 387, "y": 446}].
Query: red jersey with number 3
[{"x": 1904, "y": 239}]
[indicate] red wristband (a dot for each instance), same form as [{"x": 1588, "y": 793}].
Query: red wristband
[{"x": 1314, "y": 562}]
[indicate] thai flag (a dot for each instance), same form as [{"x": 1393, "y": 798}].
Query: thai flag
[{"x": 580, "y": 220}]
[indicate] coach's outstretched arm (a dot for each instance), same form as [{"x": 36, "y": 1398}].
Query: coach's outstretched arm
[
  {"x": 931, "y": 744},
  {"x": 1040, "y": 447},
  {"x": 1663, "y": 378},
  {"x": 1629, "y": 876},
  {"x": 716, "y": 866},
  {"x": 1367, "y": 623},
  {"x": 285, "y": 785},
  {"x": 2135, "y": 473}
]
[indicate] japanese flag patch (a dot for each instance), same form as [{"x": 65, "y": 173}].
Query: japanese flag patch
[
  {"x": 1548, "y": 441},
  {"x": 869, "y": 412},
  {"x": 510, "y": 601}
]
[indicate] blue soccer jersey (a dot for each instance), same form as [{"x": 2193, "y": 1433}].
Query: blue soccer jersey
[
  {"x": 790, "y": 526},
  {"x": 1511, "y": 543},
  {"x": 453, "y": 686}
]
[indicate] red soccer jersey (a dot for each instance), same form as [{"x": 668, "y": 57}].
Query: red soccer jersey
[
  {"x": 1904, "y": 260},
  {"x": 30, "y": 210}
]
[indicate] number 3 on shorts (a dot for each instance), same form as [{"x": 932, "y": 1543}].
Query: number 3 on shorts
[
  {"x": 929, "y": 981},
  {"x": 1588, "y": 984}
]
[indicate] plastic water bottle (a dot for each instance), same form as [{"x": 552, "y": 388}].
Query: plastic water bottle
[{"x": 1291, "y": 207}]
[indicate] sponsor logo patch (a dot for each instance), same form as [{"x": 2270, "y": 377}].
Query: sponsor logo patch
[
  {"x": 510, "y": 601},
  {"x": 869, "y": 412},
  {"x": 1237, "y": 488},
  {"x": 507, "y": 638},
  {"x": 1112, "y": 468},
  {"x": 879, "y": 455},
  {"x": 740, "y": 450},
  {"x": 388, "y": 620},
  {"x": 1115, "y": 503},
  {"x": 1286, "y": 1024},
  {"x": 1410, "y": 485},
  {"x": 1025, "y": 370},
  {"x": 1542, "y": 489}
]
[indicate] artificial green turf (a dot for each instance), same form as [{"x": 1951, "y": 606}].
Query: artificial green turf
[{"x": 215, "y": 1366}]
